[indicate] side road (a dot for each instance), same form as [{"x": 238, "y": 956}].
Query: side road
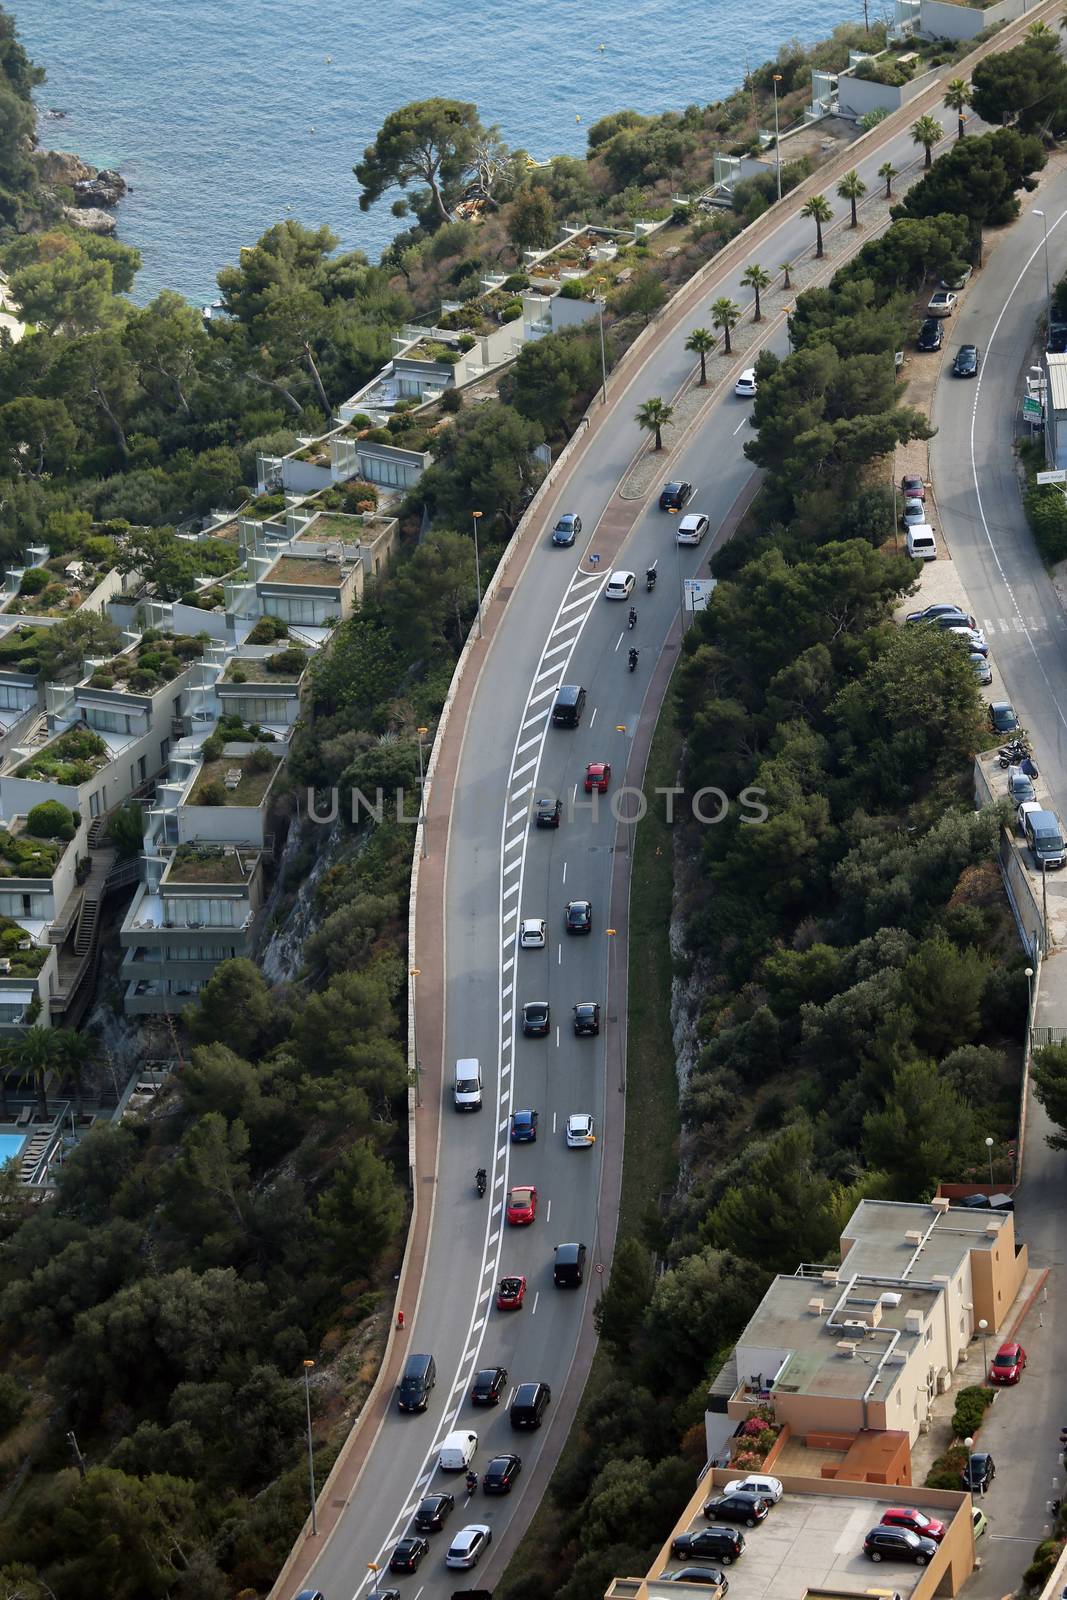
[{"x": 427, "y": 948}]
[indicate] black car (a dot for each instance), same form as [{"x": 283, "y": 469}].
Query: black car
[
  {"x": 528, "y": 1405},
  {"x": 898, "y": 1544},
  {"x": 986, "y": 1202},
  {"x": 931, "y": 614},
  {"x": 1056, "y": 344},
  {"x": 578, "y": 917},
  {"x": 488, "y": 1386},
  {"x": 978, "y": 1473},
  {"x": 931, "y": 335},
  {"x": 567, "y": 529},
  {"x": 747, "y": 1508},
  {"x": 433, "y": 1511},
  {"x": 716, "y": 1544},
  {"x": 408, "y": 1553},
  {"x": 1002, "y": 718},
  {"x": 966, "y": 362},
  {"x": 535, "y": 1019},
  {"x": 587, "y": 1017},
  {"x": 548, "y": 812},
  {"x": 568, "y": 1265},
  {"x": 674, "y": 496},
  {"x": 501, "y": 1473}
]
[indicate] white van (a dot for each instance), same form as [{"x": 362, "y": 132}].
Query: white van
[
  {"x": 457, "y": 1451},
  {"x": 467, "y": 1090},
  {"x": 921, "y": 542}
]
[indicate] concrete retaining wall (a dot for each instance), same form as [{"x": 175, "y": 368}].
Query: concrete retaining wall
[
  {"x": 857, "y": 96},
  {"x": 940, "y": 19}
]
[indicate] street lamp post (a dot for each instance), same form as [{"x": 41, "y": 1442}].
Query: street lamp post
[
  {"x": 422, "y": 732},
  {"x": 308, "y": 1364},
  {"x": 989, "y": 1153},
  {"x": 413, "y": 973},
  {"x": 775, "y": 81},
  {"x": 609, "y": 933},
  {"x": 478, "y": 569},
  {"x": 603, "y": 358},
  {"x": 1048, "y": 287},
  {"x": 982, "y": 1327},
  {"x": 1030, "y": 1007}
]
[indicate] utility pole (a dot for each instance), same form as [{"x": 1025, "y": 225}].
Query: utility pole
[
  {"x": 79, "y": 1459},
  {"x": 308, "y": 1364}
]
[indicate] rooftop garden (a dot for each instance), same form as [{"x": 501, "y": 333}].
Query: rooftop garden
[
  {"x": 17, "y": 947},
  {"x": 285, "y": 666},
  {"x": 304, "y": 569},
  {"x": 25, "y": 853},
  {"x": 156, "y": 660},
  {"x": 445, "y": 355},
  {"x": 60, "y": 585},
  {"x": 207, "y": 863},
  {"x": 235, "y": 780},
  {"x": 267, "y": 630},
  {"x": 333, "y": 525},
  {"x": 18, "y": 651},
  {"x": 71, "y": 759}
]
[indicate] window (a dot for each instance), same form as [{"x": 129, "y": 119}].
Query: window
[
  {"x": 113, "y": 721},
  {"x": 94, "y": 805},
  {"x": 298, "y": 608},
  {"x": 194, "y": 912},
  {"x": 141, "y": 766},
  {"x": 37, "y": 906},
  {"x": 164, "y": 751},
  {"x": 257, "y": 708}
]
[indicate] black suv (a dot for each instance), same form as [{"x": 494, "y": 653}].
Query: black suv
[
  {"x": 587, "y": 1017},
  {"x": 549, "y": 812},
  {"x": 931, "y": 335},
  {"x": 568, "y": 1266},
  {"x": 898, "y": 1544},
  {"x": 978, "y": 1473},
  {"x": 488, "y": 1385},
  {"x": 528, "y": 1405},
  {"x": 717, "y": 1544},
  {"x": 737, "y": 1507},
  {"x": 674, "y": 496}
]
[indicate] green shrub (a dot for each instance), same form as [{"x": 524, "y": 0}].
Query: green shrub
[
  {"x": 946, "y": 1470},
  {"x": 212, "y": 746},
  {"x": 213, "y": 793},
  {"x": 1044, "y": 1560},
  {"x": 291, "y": 660},
  {"x": 34, "y": 581},
  {"x": 451, "y": 401},
  {"x": 51, "y": 820},
  {"x": 359, "y": 496},
  {"x": 574, "y": 289},
  {"x": 102, "y": 680},
  {"x": 512, "y": 311},
  {"x": 516, "y": 281},
  {"x": 400, "y": 422},
  {"x": 268, "y": 505},
  {"x": 1046, "y": 512},
  {"x": 467, "y": 341},
  {"x": 142, "y": 681},
  {"x": 238, "y": 675},
  {"x": 378, "y": 436},
  {"x": 971, "y": 1406},
  {"x": 260, "y": 760},
  {"x": 187, "y": 649},
  {"x": 267, "y": 629}
]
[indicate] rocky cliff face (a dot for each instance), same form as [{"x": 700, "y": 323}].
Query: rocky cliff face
[
  {"x": 93, "y": 189},
  {"x": 57, "y": 167},
  {"x": 91, "y": 218},
  {"x": 105, "y": 189}
]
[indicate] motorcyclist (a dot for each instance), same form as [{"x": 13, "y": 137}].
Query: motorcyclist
[
  {"x": 633, "y": 659},
  {"x": 472, "y": 1482},
  {"x": 480, "y": 1180},
  {"x": 633, "y": 616},
  {"x": 650, "y": 577}
]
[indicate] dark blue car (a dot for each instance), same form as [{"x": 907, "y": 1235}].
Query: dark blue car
[
  {"x": 523, "y": 1127},
  {"x": 567, "y": 529}
]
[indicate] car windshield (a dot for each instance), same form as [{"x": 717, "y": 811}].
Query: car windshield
[{"x": 1004, "y": 1358}]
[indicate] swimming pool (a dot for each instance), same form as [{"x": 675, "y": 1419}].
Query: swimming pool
[{"x": 10, "y": 1146}]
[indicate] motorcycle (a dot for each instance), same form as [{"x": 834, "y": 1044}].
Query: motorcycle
[
  {"x": 650, "y": 579},
  {"x": 632, "y": 621},
  {"x": 472, "y": 1482},
  {"x": 1010, "y": 755},
  {"x": 480, "y": 1181},
  {"x": 633, "y": 660}
]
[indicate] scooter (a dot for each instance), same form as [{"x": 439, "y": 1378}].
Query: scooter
[
  {"x": 472, "y": 1482},
  {"x": 632, "y": 620},
  {"x": 650, "y": 579},
  {"x": 480, "y": 1182},
  {"x": 633, "y": 660}
]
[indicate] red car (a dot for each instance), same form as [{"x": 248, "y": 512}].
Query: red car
[
  {"x": 1008, "y": 1363},
  {"x": 597, "y": 776},
  {"x": 510, "y": 1293},
  {"x": 522, "y": 1205},
  {"x": 912, "y": 488},
  {"x": 915, "y": 1522}
]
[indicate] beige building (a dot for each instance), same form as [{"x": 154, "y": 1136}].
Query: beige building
[{"x": 869, "y": 1343}]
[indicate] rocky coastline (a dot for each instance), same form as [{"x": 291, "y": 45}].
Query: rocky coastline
[{"x": 96, "y": 191}]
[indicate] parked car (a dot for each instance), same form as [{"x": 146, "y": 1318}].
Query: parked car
[
  {"x": 912, "y": 487},
  {"x": 488, "y": 1386},
  {"x": 501, "y": 1473},
  {"x": 979, "y": 1472},
  {"x": 532, "y": 934},
  {"x": 982, "y": 670},
  {"x": 958, "y": 280},
  {"x": 469, "y": 1545},
  {"x": 768, "y": 1488},
  {"x": 1020, "y": 817},
  {"x": 737, "y": 1507},
  {"x": 914, "y": 512},
  {"x": 433, "y": 1511},
  {"x": 915, "y": 1521},
  {"x": 587, "y": 1017},
  {"x": 673, "y": 496},
  {"x": 548, "y": 812},
  {"x": 724, "y": 1545},
  {"x": 1002, "y": 716},
  {"x": 580, "y": 1131},
  {"x": 523, "y": 1127},
  {"x": 898, "y": 1544},
  {"x": 979, "y": 1522},
  {"x": 620, "y": 586},
  {"x": 966, "y": 362},
  {"x": 597, "y": 776},
  {"x": 931, "y": 335},
  {"x": 536, "y": 1019},
  {"x": 707, "y": 1575},
  {"x": 1020, "y": 787},
  {"x": 931, "y": 613},
  {"x": 745, "y": 386},
  {"x": 942, "y": 303},
  {"x": 567, "y": 529},
  {"x": 511, "y": 1292},
  {"x": 578, "y": 916},
  {"x": 408, "y": 1552},
  {"x": 522, "y": 1205},
  {"x": 1008, "y": 1363}
]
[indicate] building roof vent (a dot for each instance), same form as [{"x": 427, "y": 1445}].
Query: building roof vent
[
  {"x": 891, "y": 1298},
  {"x": 913, "y": 1321},
  {"x": 847, "y": 1347},
  {"x": 913, "y": 1236},
  {"x": 817, "y": 1306}
]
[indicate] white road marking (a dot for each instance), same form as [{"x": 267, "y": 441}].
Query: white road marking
[
  {"x": 513, "y": 866},
  {"x": 525, "y": 767},
  {"x": 548, "y": 1213},
  {"x": 529, "y": 742},
  {"x": 541, "y": 696},
  {"x": 592, "y": 719},
  {"x": 740, "y": 425},
  {"x": 557, "y": 1035},
  {"x": 556, "y": 650},
  {"x": 533, "y": 1311},
  {"x": 540, "y": 717},
  {"x": 525, "y": 789},
  {"x": 564, "y": 872}
]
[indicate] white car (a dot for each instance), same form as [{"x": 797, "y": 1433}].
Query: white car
[
  {"x": 532, "y": 933},
  {"x": 914, "y": 511},
  {"x": 620, "y": 585},
  {"x": 469, "y": 1545},
  {"x": 942, "y": 303},
  {"x": 982, "y": 670},
  {"x": 580, "y": 1131},
  {"x": 1026, "y": 807},
  {"x": 746, "y": 384},
  {"x": 692, "y": 528},
  {"x": 757, "y": 1483}
]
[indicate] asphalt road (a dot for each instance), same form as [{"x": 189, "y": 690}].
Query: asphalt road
[{"x": 557, "y": 628}]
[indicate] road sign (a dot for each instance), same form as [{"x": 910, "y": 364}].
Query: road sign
[
  {"x": 1052, "y": 477},
  {"x": 698, "y": 591},
  {"x": 1031, "y": 409}
]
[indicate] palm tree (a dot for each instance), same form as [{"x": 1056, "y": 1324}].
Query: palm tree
[
  {"x": 1040, "y": 31},
  {"x": 927, "y": 131},
  {"x": 699, "y": 343},
  {"x": 756, "y": 279},
  {"x": 34, "y": 1056},
  {"x": 653, "y": 417},
  {"x": 787, "y": 267},
  {"x": 888, "y": 171},
  {"x": 852, "y": 188},
  {"x": 957, "y": 96},
  {"x": 74, "y": 1051},
  {"x": 725, "y": 314},
  {"x": 818, "y": 210}
]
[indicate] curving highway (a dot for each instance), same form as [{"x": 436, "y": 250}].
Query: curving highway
[{"x": 557, "y": 628}]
